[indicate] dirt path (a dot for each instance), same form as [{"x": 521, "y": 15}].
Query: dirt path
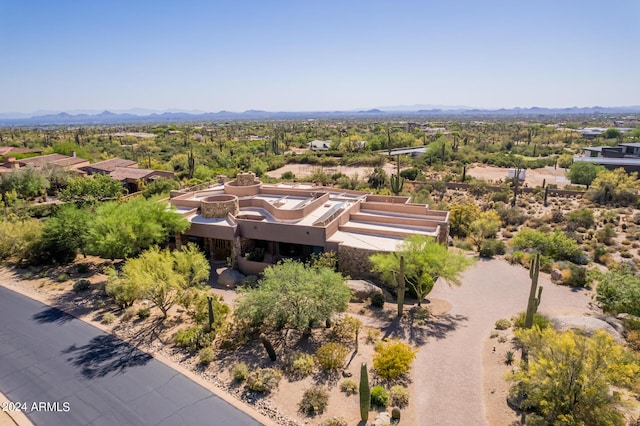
[{"x": 449, "y": 369}]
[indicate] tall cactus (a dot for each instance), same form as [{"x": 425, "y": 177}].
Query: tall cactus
[
  {"x": 546, "y": 194},
  {"x": 396, "y": 181},
  {"x": 401, "y": 287},
  {"x": 365, "y": 393},
  {"x": 191, "y": 163},
  {"x": 464, "y": 173},
  {"x": 268, "y": 347},
  {"x": 534, "y": 302}
]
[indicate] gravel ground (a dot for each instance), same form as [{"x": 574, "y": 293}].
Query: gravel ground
[{"x": 449, "y": 367}]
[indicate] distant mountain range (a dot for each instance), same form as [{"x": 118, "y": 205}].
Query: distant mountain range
[{"x": 139, "y": 115}]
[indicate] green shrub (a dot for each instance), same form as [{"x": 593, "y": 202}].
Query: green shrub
[
  {"x": 314, "y": 401},
  {"x": 379, "y": 397},
  {"x": 538, "y": 319},
  {"x": 331, "y": 356},
  {"x": 393, "y": 358},
  {"x": 349, "y": 386},
  {"x": 377, "y": 300},
  {"x": 344, "y": 330},
  {"x": 63, "y": 277},
  {"x": 288, "y": 175},
  {"x": 334, "y": 421},
  {"x": 503, "y": 324},
  {"x": 373, "y": 334},
  {"x": 263, "y": 380},
  {"x": 83, "y": 268},
  {"x": 240, "y": 371},
  {"x": 205, "y": 356},
  {"x": 502, "y": 196},
  {"x": 299, "y": 364},
  {"x": 128, "y": 314},
  {"x": 193, "y": 338},
  {"x": 108, "y": 318},
  {"x": 580, "y": 218},
  {"x": 399, "y": 396},
  {"x": 81, "y": 285},
  {"x": 555, "y": 245},
  {"x": 492, "y": 247},
  {"x": 144, "y": 313}
]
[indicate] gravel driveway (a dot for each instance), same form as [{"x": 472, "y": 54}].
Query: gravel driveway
[{"x": 449, "y": 365}]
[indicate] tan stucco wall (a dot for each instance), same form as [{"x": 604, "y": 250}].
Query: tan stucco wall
[{"x": 219, "y": 206}]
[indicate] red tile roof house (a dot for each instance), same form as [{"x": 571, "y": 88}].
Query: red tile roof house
[
  {"x": 127, "y": 172},
  {"x": 256, "y": 225}
]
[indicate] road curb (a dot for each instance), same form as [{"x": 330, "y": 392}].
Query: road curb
[{"x": 16, "y": 418}]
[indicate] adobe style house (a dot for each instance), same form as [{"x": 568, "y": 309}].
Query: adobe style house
[
  {"x": 127, "y": 172},
  {"x": 68, "y": 162},
  {"x": 254, "y": 224},
  {"x": 624, "y": 155}
]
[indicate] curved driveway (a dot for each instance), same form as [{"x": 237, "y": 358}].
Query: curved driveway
[
  {"x": 449, "y": 378},
  {"x": 89, "y": 377}
]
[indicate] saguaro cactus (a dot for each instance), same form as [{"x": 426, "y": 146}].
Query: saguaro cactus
[
  {"x": 396, "y": 181},
  {"x": 534, "y": 302},
  {"x": 401, "y": 287},
  {"x": 211, "y": 314},
  {"x": 464, "y": 173},
  {"x": 546, "y": 194},
  {"x": 365, "y": 393},
  {"x": 268, "y": 347}
]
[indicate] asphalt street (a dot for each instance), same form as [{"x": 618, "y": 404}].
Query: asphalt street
[{"x": 62, "y": 371}]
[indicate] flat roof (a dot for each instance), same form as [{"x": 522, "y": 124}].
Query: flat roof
[
  {"x": 624, "y": 161},
  {"x": 365, "y": 241}
]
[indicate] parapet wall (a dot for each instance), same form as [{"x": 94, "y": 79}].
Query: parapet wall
[{"x": 219, "y": 206}]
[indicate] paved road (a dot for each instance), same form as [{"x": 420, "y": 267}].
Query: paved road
[
  {"x": 450, "y": 363},
  {"x": 48, "y": 356}
]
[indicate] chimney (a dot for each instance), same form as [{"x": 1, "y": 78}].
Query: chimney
[
  {"x": 73, "y": 154},
  {"x": 12, "y": 163}
]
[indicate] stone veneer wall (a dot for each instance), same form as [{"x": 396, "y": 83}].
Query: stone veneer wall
[
  {"x": 355, "y": 262},
  {"x": 219, "y": 208},
  {"x": 245, "y": 179}
]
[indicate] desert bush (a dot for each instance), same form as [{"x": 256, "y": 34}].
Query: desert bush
[
  {"x": 393, "y": 358},
  {"x": 83, "y": 268},
  {"x": 263, "y": 380},
  {"x": 606, "y": 235},
  {"x": 502, "y": 196},
  {"x": 144, "y": 313},
  {"x": 205, "y": 356},
  {"x": 379, "y": 397},
  {"x": 349, "y": 386},
  {"x": 503, "y": 324},
  {"x": 108, "y": 318},
  {"x": 240, "y": 371},
  {"x": 582, "y": 218},
  {"x": 81, "y": 285},
  {"x": 314, "y": 401},
  {"x": 331, "y": 356},
  {"x": 373, "y": 335},
  {"x": 63, "y": 277},
  {"x": 193, "y": 338},
  {"x": 128, "y": 314},
  {"x": 299, "y": 364},
  {"x": 555, "y": 245},
  {"x": 377, "y": 300},
  {"x": 344, "y": 330},
  {"x": 538, "y": 320},
  {"x": 334, "y": 421},
  {"x": 399, "y": 396},
  {"x": 492, "y": 247}
]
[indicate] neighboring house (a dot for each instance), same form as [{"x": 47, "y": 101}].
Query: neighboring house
[
  {"x": 133, "y": 178},
  {"x": 69, "y": 162},
  {"x": 108, "y": 166},
  {"x": 13, "y": 150},
  {"x": 255, "y": 225},
  {"x": 319, "y": 145},
  {"x": 625, "y": 155}
]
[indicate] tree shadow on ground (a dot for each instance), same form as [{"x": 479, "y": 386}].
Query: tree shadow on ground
[
  {"x": 417, "y": 333},
  {"x": 52, "y": 315},
  {"x": 105, "y": 354}
]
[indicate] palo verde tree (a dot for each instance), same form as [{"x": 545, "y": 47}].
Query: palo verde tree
[
  {"x": 65, "y": 234},
  {"x": 569, "y": 376},
  {"x": 615, "y": 187},
  {"x": 160, "y": 276},
  {"x": 425, "y": 261},
  {"x": 123, "y": 229},
  {"x": 293, "y": 295}
]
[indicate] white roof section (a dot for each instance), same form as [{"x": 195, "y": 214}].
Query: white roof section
[{"x": 364, "y": 241}]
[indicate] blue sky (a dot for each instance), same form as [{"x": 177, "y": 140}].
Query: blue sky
[{"x": 317, "y": 55}]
